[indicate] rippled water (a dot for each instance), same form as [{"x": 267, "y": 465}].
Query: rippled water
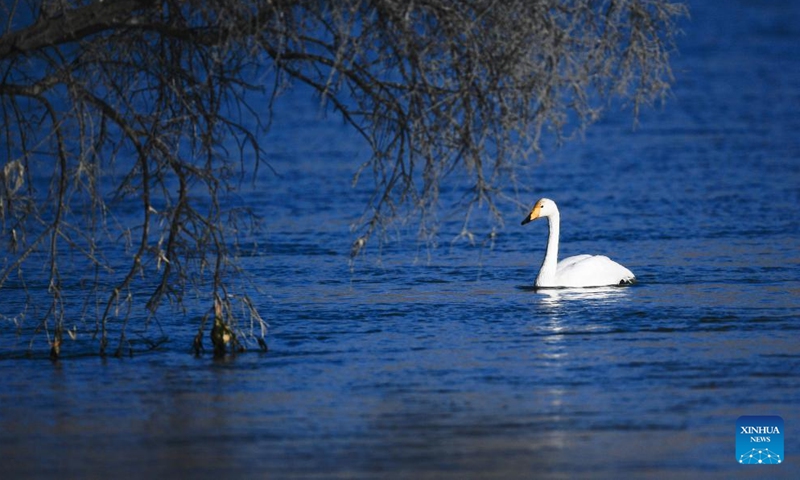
[{"x": 445, "y": 363}]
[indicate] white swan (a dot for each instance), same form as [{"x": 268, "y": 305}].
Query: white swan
[{"x": 577, "y": 271}]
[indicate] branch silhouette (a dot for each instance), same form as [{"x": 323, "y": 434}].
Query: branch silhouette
[{"x": 126, "y": 108}]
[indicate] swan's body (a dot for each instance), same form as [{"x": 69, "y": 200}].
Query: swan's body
[{"x": 577, "y": 271}]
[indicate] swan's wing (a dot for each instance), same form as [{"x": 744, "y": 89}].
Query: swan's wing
[
  {"x": 591, "y": 271},
  {"x": 567, "y": 262}
]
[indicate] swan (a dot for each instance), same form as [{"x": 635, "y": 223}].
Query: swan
[{"x": 577, "y": 271}]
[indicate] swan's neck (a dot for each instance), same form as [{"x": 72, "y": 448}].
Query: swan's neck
[{"x": 547, "y": 274}]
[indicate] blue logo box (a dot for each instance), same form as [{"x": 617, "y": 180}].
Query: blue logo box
[{"x": 759, "y": 440}]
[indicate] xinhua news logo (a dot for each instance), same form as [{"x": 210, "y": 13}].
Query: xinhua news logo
[{"x": 759, "y": 440}]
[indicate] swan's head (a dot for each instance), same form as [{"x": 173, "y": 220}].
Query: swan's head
[{"x": 543, "y": 208}]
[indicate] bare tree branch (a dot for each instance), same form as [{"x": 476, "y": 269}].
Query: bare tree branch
[{"x": 112, "y": 107}]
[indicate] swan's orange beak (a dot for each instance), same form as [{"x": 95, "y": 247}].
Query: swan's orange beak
[{"x": 533, "y": 215}]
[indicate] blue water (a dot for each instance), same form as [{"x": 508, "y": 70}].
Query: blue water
[{"x": 442, "y": 362}]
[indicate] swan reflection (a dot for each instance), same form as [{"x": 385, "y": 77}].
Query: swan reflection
[{"x": 558, "y": 296}]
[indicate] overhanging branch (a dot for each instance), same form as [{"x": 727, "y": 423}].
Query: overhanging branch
[{"x": 70, "y": 26}]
